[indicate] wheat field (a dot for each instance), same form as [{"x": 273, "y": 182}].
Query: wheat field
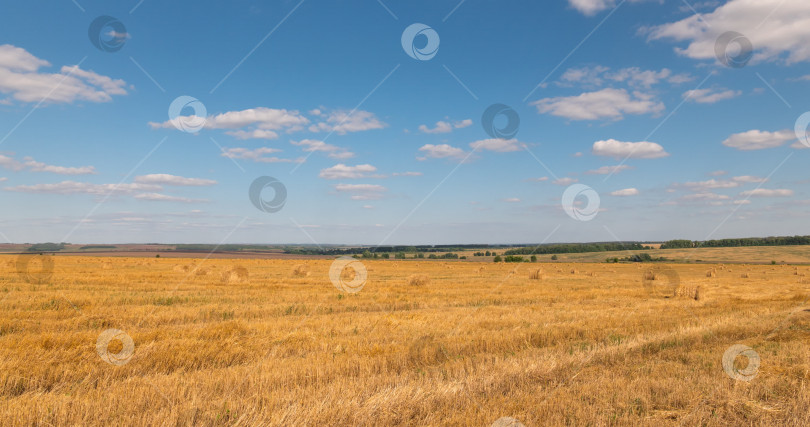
[{"x": 139, "y": 341}]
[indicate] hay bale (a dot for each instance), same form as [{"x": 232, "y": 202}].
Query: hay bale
[
  {"x": 744, "y": 276},
  {"x": 106, "y": 266},
  {"x": 235, "y": 275},
  {"x": 691, "y": 292},
  {"x": 300, "y": 270},
  {"x": 649, "y": 275},
  {"x": 536, "y": 274},
  {"x": 574, "y": 271},
  {"x": 711, "y": 273},
  {"x": 418, "y": 280},
  {"x": 181, "y": 268}
]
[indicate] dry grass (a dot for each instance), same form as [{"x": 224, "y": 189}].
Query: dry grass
[{"x": 473, "y": 347}]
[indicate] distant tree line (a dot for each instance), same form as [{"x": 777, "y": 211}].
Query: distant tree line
[
  {"x": 731, "y": 243},
  {"x": 46, "y": 247},
  {"x": 569, "y": 248}
]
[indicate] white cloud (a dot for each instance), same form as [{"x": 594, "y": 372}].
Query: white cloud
[
  {"x": 166, "y": 179},
  {"x": 362, "y": 191},
  {"x": 710, "y": 96},
  {"x": 333, "y": 151},
  {"x": 540, "y": 179},
  {"x": 631, "y": 150},
  {"x": 72, "y": 187},
  {"x": 607, "y": 170},
  {"x": 749, "y": 179},
  {"x": 253, "y": 123},
  {"x": 20, "y": 77},
  {"x": 776, "y": 28},
  {"x": 591, "y": 7},
  {"x": 604, "y": 104},
  {"x": 32, "y": 165},
  {"x": 342, "y": 122},
  {"x": 758, "y": 140},
  {"x": 257, "y": 155},
  {"x": 157, "y": 197},
  {"x": 445, "y": 127},
  {"x": 341, "y": 171},
  {"x": 442, "y": 151},
  {"x": 3, "y": 179},
  {"x": 564, "y": 181},
  {"x": 742, "y": 202},
  {"x": 407, "y": 174},
  {"x": 625, "y": 192},
  {"x": 702, "y": 186},
  {"x": 597, "y": 75},
  {"x": 762, "y": 192},
  {"x": 512, "y": 200},
  {"x": 498, "y": 145},
  {"x": 718, "y": 173},
  {"x": 705, "y": 196}
]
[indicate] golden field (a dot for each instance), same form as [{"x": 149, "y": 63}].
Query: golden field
[{"x": 273, "y": 342}]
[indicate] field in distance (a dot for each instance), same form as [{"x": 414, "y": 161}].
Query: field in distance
[{"x": 273, "y": 342}]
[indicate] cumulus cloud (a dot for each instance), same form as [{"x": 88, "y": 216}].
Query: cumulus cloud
[
  {"x": 73, "y": 187},
  {"x": 362, "y": 191},
  {"x": 407, "y": 174},
  {"x": 498, "y": 145},
  {"x": 629, "y": 150},
  {"x": 253, "y": 123},
  {"x": 32, "y": 165},
  {"x": 564, "y": 181},
  {"x": 341, "y": 171},
  {"x": 342, "y": 122},
  {"x": 758, "y": 140},
  {"x": 157, "y": 197},
  {"x": 763, "y": 192},
  {"x": 166, "y": 179},
  {"x": 598, "y": 75},
  {"x": 257, "y": 155},
  {"x": 607, "y": 103},
  {"x": 776, "y": 28},
  {"x": 445, "y": 126},
  {"x": 710, "y": 96},
  {"x": 21, "y": 78},
  {"x": 627, "y": 192},
  {"x": 333, "y": 151},
  {"x": 442, "y": 151},
  {"x": 607, "y": 170},
  {"x": 512, "y": 200}
]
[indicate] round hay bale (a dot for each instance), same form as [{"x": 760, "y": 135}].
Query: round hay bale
[
  {"x": 235, "y": 275},
  {"x": 418, "y": 280}
]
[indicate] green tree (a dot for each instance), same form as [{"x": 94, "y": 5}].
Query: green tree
[
  {"x": 497, "y": 258},
  {"x": 534, "y": 258},
  {"x": 554, "y": 257}
]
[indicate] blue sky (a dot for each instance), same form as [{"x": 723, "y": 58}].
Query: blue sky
[{"x": 628, "y": 98}]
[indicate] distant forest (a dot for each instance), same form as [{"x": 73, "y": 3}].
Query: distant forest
[{"x": 731, "y": 243}]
